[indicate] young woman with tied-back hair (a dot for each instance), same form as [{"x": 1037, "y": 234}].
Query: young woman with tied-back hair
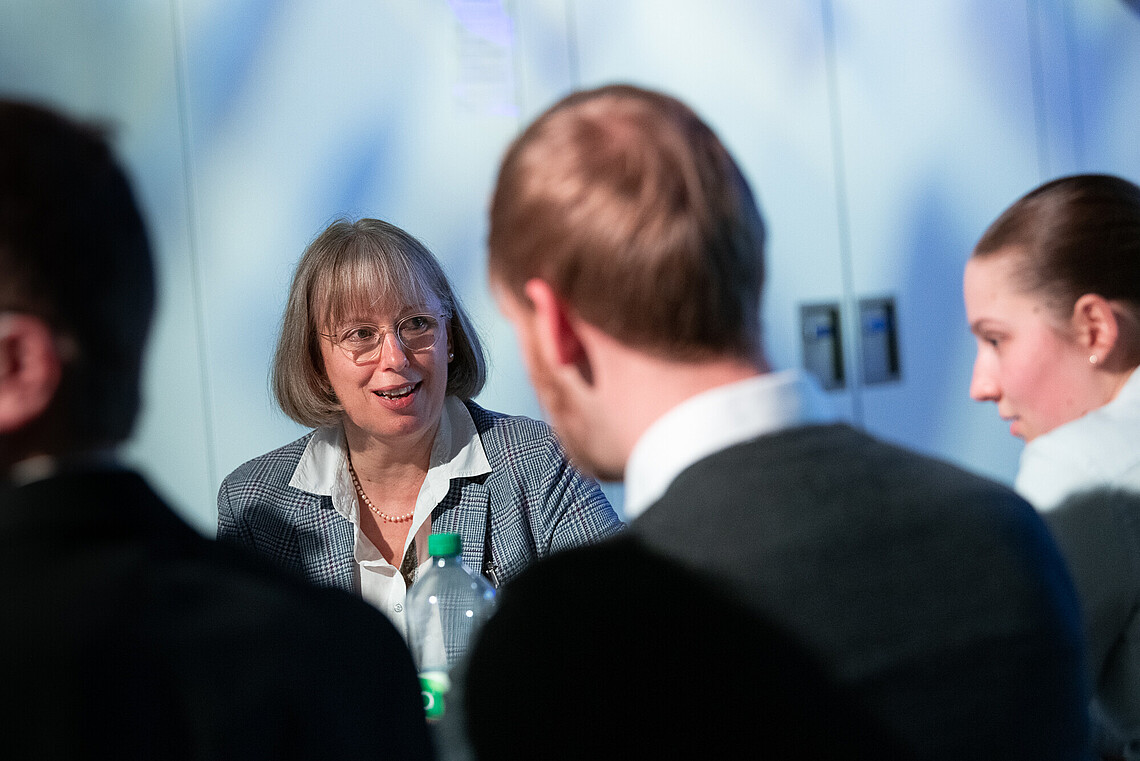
[{"x": 1052, "y": 295}]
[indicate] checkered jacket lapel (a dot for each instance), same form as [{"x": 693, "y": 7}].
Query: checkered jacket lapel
[
  {"x": 464, "y": 511},
  {"x": 324, "y": 543}
]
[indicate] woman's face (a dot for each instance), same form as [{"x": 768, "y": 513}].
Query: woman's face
[
  {"x": 1028, "y": 362},
  {"x": 395, "y": 396}
]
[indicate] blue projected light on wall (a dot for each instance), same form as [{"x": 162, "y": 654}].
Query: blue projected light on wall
[{"x": 485, "y": 43}]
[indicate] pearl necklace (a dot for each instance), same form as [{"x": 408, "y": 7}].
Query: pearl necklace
[{"x": 382, "y": 516}]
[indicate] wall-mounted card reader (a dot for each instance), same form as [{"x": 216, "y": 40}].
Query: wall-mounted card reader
[
  {"x": 878, "y": 337},
  {"x": 822, "y": 343}
]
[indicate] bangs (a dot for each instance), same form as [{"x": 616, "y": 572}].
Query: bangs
[
  {"x": 350, "y": 272},
  {"x": 361, "y": 279}
]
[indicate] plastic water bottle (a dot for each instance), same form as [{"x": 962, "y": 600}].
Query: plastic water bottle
[{"x": 445, "y": 607}]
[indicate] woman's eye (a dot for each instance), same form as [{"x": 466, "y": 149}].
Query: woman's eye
[
  {"x": 359, "y": 334},
  {"x": 415, "y": 324}
]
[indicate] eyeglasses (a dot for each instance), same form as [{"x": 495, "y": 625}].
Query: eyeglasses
[{"x": 362, "y": 341}]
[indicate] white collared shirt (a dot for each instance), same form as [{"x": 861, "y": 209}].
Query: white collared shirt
[
  {"x": 457, "y": 452},
  {"x": 715, "y": 420},
  {"x": 1098, "y": 449}
]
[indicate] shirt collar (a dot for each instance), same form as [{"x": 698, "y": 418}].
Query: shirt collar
[
  {"x": 456, "y": 453},
  {"x": 715, "y": 420},
  {"x": 1131, "y": 388}
]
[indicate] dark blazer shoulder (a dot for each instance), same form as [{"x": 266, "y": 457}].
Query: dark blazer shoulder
[
  {"x": 906, "y": 575},
  {"x": 841, "y": 493},
  {"x": 825, "y": 457},
  {"x": 189, "y": 633}
]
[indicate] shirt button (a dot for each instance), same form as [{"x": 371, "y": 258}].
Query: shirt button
[{"x": 399, "y": 608}]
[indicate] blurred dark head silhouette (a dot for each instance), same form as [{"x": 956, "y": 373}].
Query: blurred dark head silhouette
[{"x": 74, "y": 259}]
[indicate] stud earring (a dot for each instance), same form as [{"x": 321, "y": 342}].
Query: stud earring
[
  {"x": 450, "y": 356},
  {"x": 1092, "y": 359}
]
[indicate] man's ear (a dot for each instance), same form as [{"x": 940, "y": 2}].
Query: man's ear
[
  {"x": 30, "y": 370},
  {"x": 554, "y": 325},
  {"x": 1096, "y": 325}
]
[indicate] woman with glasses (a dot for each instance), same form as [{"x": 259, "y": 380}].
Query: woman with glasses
[{"x": 377, "y": 355}]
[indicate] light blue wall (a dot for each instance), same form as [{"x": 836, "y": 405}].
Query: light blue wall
[{"x": 880, "y": 137}]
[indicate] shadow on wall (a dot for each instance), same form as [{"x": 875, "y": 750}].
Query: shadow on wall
[{"x": 937, "y": 243}]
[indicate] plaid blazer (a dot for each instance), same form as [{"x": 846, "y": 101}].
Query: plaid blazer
[{"x": 532, "y": 503}]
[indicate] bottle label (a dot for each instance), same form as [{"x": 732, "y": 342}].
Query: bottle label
[{"x": 433, "y": 687}]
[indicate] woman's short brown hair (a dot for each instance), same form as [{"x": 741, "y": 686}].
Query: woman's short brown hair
[
  {"x": 349, "y": 269},
  {"x": 629, "y": 206},
  {"x": 1073, "y": 235}
]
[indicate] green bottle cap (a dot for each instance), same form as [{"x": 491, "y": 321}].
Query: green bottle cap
[{"x": 444, "y": 545}]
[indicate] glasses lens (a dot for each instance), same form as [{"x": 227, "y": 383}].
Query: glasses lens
[
  {"x": 359, "y": 341},
  {"x": 418, "y": 332}
]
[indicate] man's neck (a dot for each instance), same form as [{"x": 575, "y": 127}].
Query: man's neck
[{"x": 644, "y": 388}]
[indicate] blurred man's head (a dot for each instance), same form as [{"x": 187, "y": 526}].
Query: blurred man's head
[
  {"x": 76, "y": 288},
  {"x": 624, "y": 208}
]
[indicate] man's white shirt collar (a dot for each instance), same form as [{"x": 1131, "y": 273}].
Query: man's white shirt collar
[{"x": 715, "y": 420}]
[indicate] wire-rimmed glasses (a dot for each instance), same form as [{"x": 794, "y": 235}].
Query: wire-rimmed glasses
[{"x": 362, "y": 341}]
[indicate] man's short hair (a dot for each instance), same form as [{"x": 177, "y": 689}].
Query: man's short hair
[
  {"x": 74, "y": 252},
  {"x": 629, "y": 206}
]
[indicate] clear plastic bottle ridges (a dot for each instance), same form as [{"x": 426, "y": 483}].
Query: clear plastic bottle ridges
[{"x": 445, "y": 607}]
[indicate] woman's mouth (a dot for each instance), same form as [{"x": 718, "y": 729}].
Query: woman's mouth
[{"x": 399, "y": 392}]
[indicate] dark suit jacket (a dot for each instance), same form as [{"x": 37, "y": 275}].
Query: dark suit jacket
[
  {"x": 1098, "y": 532},
  {"x": 938, "y": 596},
  {"x": 127, "y": 635},
  {"x": 532, "y": 503},
  {"x": 615, "y": 652},
  {"x": 892, "y": 606}
]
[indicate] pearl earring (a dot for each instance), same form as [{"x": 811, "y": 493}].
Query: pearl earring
[{"x": 1092, "y": 359}]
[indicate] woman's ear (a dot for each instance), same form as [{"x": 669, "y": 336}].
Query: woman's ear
[
  {"x": 1097, "y": 326},
  {"x": 30, "y": 370}
]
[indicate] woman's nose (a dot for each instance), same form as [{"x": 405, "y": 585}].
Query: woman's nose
[
  {"x": 392, "y": 353},
  {"x": 983, "y": 385}
]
